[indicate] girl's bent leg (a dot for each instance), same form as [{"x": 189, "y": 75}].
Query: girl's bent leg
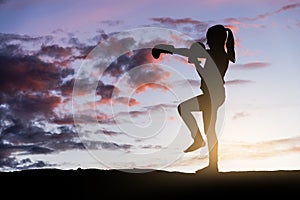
[{"x": 185, "y": 110}]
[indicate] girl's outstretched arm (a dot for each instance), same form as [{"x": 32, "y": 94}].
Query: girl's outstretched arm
[{"x": 169, "y": 49}]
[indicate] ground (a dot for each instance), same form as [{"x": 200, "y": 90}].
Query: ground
[{"x": 85, "y": 184}]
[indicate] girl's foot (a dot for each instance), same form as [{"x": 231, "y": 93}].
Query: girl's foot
[{"x": 197, "y": 144}]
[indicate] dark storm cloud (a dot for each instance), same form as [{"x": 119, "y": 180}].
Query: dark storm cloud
[
  {"x": 67, "y": 87},
  {"x": 29, "y": 139},
  {"x": 64, "y": 120},
  {"x": 27, "y": 73},
  {"x": 128, "y": 61},
  {"x": 32, "y": 86},
  {"x": 8, "y": 37},
  {"x": 105, "y": 91},
  {"x": 27, "y": 106},
  {"x": 26, "y": 83},
  {"x": 36, "y": 139},
  {"x": 55, "y": 51},
  {"x": 11, "y": 49},
  {"x": 11, "y": 163},
  {"x": 24, "y": 138}
]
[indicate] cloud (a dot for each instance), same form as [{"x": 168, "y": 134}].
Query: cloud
[
  {"x": 126, "y": 101},
  {"x": 189, "y": 26},
  {"x": 32, "y": 138},
  {"x": 288, "y": 7},
  {"x": 55, "y": 51},
  {"x": 110, "y": 133},
  {"x": 30, "y": 85},
  {"x": 106, "y": 145},
  {"x": 27, "y": 106},
  {"x": 146, "y": 86},
  {"x": 67, "y": 87},
  {"x": 251, "y": 65},
  {"x": 233, "y": 28},
  {"x": 112, "y": 22},
  {"x": 28, "y": 139},
  {"x": 159, "y": 106},
  {"x": 27, "y": 73},
  {"x": 248, "y": 53},
  {"x": 100, "y": 36},
  {"x": 35, "y": 82},
  {"x": 27, "y": 84},
  {"x": 11, "y": 163},
  {"x": 172, "y": 21},
  {"x": 69, "y": 119},
  {"x": 128, "y": 61},
  {"x": 105, "y": 90},
  {"x": 261, "y": 150},
  {"x": 149, "y": 146},
  {"x": 148, "y": 77},
  {"x": 239, "y": 115},
  {"x": 265, "y": 15},
  {"x": 238, "y": 82},
  {"x": 6, "y": 38}
]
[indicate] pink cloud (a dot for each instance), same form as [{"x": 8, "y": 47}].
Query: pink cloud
[
  {"x": 119, "y": 100},
  {"x": 233, "y": 28},
  {"x": 146, "y": 86},
  {"x": 239, "y": 115},
  {"x": 239, "y": 21},
  {"x": 238, "y": 82},
  {"x": 127, "y": 101},
  {"x": 248, "y": 53},
  {"x": 251, "y": 65}
]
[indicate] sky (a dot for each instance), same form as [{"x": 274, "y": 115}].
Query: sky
[{"x": 48, "y": 47}]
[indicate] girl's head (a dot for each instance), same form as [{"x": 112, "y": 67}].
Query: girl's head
[{"x": 216, "y": 37}]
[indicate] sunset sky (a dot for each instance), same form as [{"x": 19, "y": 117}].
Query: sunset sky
[{"x": 44, "y": 45}]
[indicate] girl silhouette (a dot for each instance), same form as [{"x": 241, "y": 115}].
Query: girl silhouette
[{"x": 218, "y": 37}]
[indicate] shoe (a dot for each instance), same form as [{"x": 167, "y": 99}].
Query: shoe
[{"x": 197, "y": 144}]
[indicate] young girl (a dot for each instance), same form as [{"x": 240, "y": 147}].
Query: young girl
[{"x": 217, "y": 38}]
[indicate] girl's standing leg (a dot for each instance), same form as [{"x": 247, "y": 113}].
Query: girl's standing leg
[{"x": 209, "y": 120}]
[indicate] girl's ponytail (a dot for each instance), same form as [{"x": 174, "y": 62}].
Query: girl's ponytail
[{"x": 230, "y": 46}]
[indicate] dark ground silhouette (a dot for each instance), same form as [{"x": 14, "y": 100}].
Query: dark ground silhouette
[{"x": 85, "y": 184}]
